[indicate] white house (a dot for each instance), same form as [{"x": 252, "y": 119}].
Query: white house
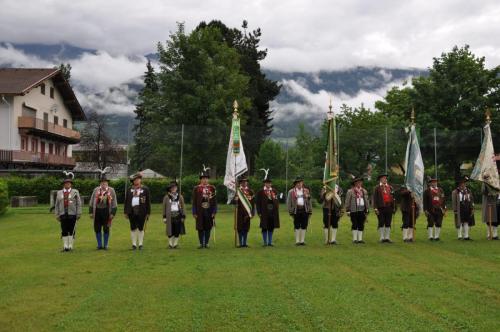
[{"x": 37, "y": 110}]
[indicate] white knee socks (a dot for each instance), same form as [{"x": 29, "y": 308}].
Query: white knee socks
[
  {"x": 381, "y": 232},
  {"x": 141, "y": 237}
]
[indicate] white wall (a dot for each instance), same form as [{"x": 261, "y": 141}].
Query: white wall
[
  {"x": 5, "y": 125},
  {"x": 43, "y": 104}
]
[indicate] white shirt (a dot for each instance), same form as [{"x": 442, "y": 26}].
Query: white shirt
[
  {"x": 135, "y": 200},
  {"x": 300, "y": 197},
  {"x": 360, "y": 201},
  {"x": 174, "y": 206}
]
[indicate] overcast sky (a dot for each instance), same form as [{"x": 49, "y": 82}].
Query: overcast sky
[{"x": 301, "y": 35}]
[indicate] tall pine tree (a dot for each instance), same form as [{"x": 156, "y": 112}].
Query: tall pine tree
[{"x": 144, "y": 113}]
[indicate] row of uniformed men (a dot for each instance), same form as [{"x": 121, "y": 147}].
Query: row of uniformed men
[{"x": 137, "y": 209}]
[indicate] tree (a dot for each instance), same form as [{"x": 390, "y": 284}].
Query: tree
[
  {"x": 307, "y": 156},
  {"x": 97, "y": 144},
  {"x": 453, "y": 97},
  {"x": 261, "y": 90},
  {"x": 65, "y": 69},
  {"x": 199, "y": 79},
  {"x": 362, "y": 135},
  {"x": 144, "y": 111},
  {"x": 271, "y": 155}
]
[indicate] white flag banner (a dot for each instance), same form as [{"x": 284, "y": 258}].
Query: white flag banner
[
  {"x": 486, "y": 169},
  {"x": 414, "y": 167},
  {"x": 236, "y": 162}
]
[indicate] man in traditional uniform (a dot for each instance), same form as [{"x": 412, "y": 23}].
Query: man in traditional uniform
[
  {"x": 434, "y": 208},
  {"x": 68, "y": 209},
  {"x": 409, "y": 213},
  {"x": 137, "y": 209},
  {"x": 490, "y": 209},
  {"x": 267, "y": 205},
  {"x": 243, "y": 216},
  {"x": 174, "y": 214},
  {"x": 204, "y": 208},
  {"x": 357, "y": 207},
  {"x": 332, "y": 211},
  {"x": 384, "y": 206},
  {"x": 300, "y": 208},
  {"x": 463, "y": 208},
  {"x": 102, "y": 209}
]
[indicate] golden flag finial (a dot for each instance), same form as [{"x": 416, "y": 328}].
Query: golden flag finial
[
  {"x": 330, "y": 112},
  {"x": 235, "y": 111}
]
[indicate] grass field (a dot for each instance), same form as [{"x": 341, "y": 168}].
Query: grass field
[{"x": 445, "y": 286}]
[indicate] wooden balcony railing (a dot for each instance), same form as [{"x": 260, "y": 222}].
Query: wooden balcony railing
[
  {"x": 26, "y": 157},
  {"x": 45, "y": 128}
]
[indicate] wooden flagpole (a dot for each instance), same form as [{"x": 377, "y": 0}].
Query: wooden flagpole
[
  {"x": 488, "y": 121},
  {"x": 235, "y": 222},
  {"x": 413, "y": 197}
]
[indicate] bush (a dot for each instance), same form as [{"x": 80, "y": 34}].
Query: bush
[{"x": 4, "y": 197}]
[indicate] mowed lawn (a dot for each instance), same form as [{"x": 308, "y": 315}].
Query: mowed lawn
[{"x": 446, "y": 286}]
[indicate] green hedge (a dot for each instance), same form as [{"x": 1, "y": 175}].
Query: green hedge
[
  {"x": 4, "y": 197},
  {"x": 41, "y": 186}
]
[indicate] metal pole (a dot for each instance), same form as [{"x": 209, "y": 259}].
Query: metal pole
[
  {"x": 286, "y": 166},
  {"x": 338, "y": 151},
  {"x": 385, "y": 149},
  {"x": 128, "y": 160},
  {"x": 435, "y": 155},
  {"x": 182, "y": 155}
]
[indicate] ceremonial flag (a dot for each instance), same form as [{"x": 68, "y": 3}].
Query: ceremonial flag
[
  {"x": 331, "y": 171},
  {"x": 486, "y": 169},
  {"x": 414, "y": 165},
  {"x": 236, "y": 164}
]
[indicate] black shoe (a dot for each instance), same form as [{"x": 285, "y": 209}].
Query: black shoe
[
  {"x": 140, "y": 247},
  {"x": 467, "y": 239},
  {"x": 207, "y": 246},
  {"x": 333, "y": 243},
  {"x": 355, "y": 241},
  {"x": 175, "y": 247},
  {"x": 431, "y": 239},
  {"x": 246, "y": 246},
  {"x": 495, "y": 238},
  {"x": 361, "y": 241},
  {"x": 297, "y": 244},
  {"x": 169, "y": 246},
  {"x": 64, "y": 249},
  {"x": 270, "y": 245},
  {"x": 388, "y": 240},
  {"x": 437, "y": 239},
  {"x": 134, "y": 247},
  {"x": 302, "y": 243}
]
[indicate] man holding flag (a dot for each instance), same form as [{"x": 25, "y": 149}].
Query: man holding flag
[
  {"x": 486, "y": 171},
  {"x": 331, "y": 193},
  {"x": 245, "y": 211},
  {"x": 236, "y": 165},
  {"x": 414, "y": 177}
]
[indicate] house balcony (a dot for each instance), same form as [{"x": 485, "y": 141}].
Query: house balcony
[
  {"x": 38, "y": 127},
  {"x": 35, "y": 158}
]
